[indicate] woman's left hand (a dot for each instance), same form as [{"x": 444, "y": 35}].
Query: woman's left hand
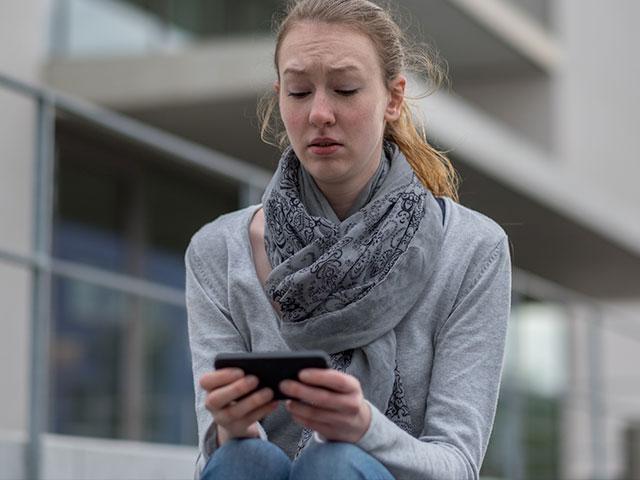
[{"x": 329, "y": 402}]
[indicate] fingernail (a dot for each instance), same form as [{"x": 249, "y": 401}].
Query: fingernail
[{"x": 251, "y": 379}]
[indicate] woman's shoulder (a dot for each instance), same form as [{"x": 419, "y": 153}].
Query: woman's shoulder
[
  {"x": 214, "y": 239},
  {"x": 472, "y": 242},
  {"x": 467, "y": 231}
]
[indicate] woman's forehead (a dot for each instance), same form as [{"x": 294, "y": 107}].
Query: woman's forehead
[{"x": 336, "y": 49}]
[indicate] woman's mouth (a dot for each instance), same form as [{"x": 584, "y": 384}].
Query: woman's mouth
[{"x": 324, "y": 146}]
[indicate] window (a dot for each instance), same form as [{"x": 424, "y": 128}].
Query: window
[{"x": 120, "y": 364}]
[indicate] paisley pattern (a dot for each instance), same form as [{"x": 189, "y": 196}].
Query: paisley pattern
[
  {"x": 397, "y": 409},
  {"x": 321, "y": 267}
]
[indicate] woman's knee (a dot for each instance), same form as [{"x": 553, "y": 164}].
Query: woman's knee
[
  {"x": 247, "y": 458},
  {"x": 337, "y": 460}
]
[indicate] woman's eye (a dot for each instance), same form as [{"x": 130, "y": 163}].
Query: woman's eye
[
  {"x": 346, "y": 93},
  {"x": 298, "y": 94}
]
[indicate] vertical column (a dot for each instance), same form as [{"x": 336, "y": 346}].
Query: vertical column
[
  {"x": 41, "y": 308},
  {"x": 133, "y": 368},
  {"x": 596, "y": 395},
  {"x": 632, "y": 450}
]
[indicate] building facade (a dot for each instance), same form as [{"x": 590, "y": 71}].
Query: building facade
[{"x": 540, "y": 120}]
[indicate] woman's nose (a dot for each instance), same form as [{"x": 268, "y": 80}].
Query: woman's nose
[{"x": 321, "y": 113}]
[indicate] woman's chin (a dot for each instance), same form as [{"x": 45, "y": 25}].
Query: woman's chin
[{"x": 324, "y": 172}]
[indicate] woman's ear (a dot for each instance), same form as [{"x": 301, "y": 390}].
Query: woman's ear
[
  {"x": 276, "y": 87},
  {"x": 396, "y": 97}
]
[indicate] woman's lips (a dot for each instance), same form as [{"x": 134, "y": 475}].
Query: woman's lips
[
  {"x": 324, "y": 146},
  {"x": 324, "y": 149}
]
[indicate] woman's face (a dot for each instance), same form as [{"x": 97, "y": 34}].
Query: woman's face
[{"x": 334, "y": 103}]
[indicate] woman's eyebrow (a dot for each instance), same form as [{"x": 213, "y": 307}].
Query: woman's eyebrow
[{"x": 336, "y": 69}]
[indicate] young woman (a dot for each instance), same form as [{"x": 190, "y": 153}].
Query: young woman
[{"x": 359, "y": 249}]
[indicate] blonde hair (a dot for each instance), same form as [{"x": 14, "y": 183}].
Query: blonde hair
[{"x": 396, "y": 56}]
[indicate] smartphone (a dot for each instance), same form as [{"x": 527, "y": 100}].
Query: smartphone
[{"x": 273, "y": 367}]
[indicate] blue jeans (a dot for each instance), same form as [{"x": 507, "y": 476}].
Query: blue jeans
[{"x": 253, "y": 459}]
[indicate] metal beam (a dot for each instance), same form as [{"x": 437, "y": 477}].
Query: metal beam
[
  {"x": 173, "y": 146},
  {"x": 41, "y": 298},
  {"x": 118, "y": 282}
]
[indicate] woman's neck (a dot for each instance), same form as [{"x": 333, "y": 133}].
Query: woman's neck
[
  {"x": 341, "y": 203},
  {"x": 342, "y": 195}
]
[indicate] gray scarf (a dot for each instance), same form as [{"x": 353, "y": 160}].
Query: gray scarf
[{"x": 343, "y": 286}]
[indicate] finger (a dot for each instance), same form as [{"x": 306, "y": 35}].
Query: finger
[
  {"x": 259, "y": 413},
  {"x": 218, "y": 378},
  {"x": 245, "y": 423},
  {"x": 331, "y": 379},
  {"x": 320, "y": 415},
  {"x": 223, "y": 396},
  {"x": 241, "y": 409},
  {"x": 322, "y": 428},
  {"x": 329, "y": 400}
]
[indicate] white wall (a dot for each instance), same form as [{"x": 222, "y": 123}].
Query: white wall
[
  {"x": 600, "y": 144},
  {"x": 75, "y": 458},
  {"x": 600, "y": 96},
  {"x": 23, "y": 30}
]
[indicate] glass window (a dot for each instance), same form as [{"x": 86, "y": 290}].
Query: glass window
[
  {"x": 212, "y": 17},
  {"x": 137, "y": 27},
  {"x": 121, "y": 364},
  {"x": 122, "y": 209}
]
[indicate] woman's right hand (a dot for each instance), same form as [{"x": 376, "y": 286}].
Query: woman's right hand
[{"x": 236, "y": 418}]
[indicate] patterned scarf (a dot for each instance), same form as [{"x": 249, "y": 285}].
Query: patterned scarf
[{"x": 343, "y": 286}]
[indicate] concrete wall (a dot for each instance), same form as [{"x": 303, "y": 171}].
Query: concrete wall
[
  {"x": 23, "y": 29},
  {"x": 599, "y": 117},
  {"x": 600, "y": 100},
  {"x": 74, "y": 458}
]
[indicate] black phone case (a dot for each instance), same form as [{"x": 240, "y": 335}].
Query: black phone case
[{"x": 273, "y": 367}]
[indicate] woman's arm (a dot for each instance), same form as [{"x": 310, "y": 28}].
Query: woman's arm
[
  {"x": 211, "y": 331},
  {"x": 465, "y": 380}
]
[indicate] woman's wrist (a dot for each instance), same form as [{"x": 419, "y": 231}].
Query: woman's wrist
[{"x": 365, "y": 419}]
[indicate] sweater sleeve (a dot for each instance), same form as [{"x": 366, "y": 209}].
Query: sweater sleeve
[
  {"x": 465, "y": 380},
  {"x": 211, "y": 331}
]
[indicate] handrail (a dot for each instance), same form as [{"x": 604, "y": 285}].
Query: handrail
[
  {"x": 164, "y": 142},
  {"x": 118, "y": 282}
]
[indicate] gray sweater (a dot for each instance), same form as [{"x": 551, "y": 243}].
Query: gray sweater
[{"x": 450, "y": 345}]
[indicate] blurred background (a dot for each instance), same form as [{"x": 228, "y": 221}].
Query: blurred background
[{"x": 127, "y": 125}]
